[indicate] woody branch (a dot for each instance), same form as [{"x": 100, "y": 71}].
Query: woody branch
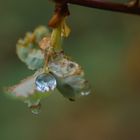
[{"x": 132, "y": 7}]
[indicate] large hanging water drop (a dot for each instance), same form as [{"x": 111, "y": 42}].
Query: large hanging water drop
[
  {"x": 45, "y": 82},
  {"x": 35, "y": 109}
]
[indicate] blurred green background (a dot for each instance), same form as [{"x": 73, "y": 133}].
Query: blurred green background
[{"x": 106, "y": 44}]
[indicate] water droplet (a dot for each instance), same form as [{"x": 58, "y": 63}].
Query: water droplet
[
  {"x": 35, "y": 109},
  {"x": 45, "y": 82}
]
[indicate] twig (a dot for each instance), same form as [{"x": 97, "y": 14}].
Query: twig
[{"x": 131, "y": 7}]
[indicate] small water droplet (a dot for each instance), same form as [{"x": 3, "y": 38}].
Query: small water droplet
[
  {"x": 35, "y": 109},
  {"x": 45, "y": 82}
]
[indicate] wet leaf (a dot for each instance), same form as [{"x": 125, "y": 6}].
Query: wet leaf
[
  {"x": 70, "y": 77},
  {"x": 33, "y": 58},
  {"x": 26, "y": 89},
  {"x": 62, "y": 66},
  {"x": 40, "y": 32},
  {"x": 28, "y": 48}
]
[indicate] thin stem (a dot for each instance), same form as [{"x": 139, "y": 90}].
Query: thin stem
[{"x": 132, "y": 7}]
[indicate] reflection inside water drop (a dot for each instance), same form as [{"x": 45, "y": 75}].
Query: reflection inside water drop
[{"x": 45, "y": 82}]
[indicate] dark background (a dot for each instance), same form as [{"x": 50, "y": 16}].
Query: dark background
[{"x": 106, "y": 44}]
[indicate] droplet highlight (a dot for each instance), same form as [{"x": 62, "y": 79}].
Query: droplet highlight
[{"x": 85, "y": 93}]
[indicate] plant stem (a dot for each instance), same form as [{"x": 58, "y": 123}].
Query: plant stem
[{"x": 132, "y": 7}]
